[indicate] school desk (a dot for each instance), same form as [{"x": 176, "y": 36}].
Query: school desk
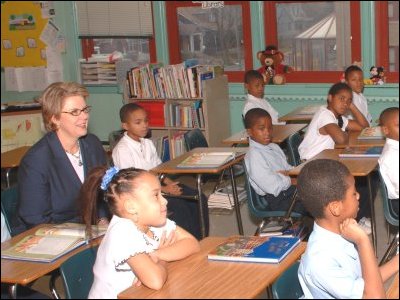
[
  {"x": 280, "y": 133},
  {"x": 355, "y": 142},
  {"x": 358, "y": 166},
  {"x": 197, "y": 277},
  {"x": 170, "y": 167},
  {"x": 393, "y": 291},
  {"x": 11, "y": 159},
  {"x": 24, "y": 272},
  {"x": 302, "y": 114}
]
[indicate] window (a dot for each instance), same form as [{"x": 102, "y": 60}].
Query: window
[
  {"x": 314, "y": 37},
  {"x": 216, "y": 36},
  {"x": 387, "y": 38}
]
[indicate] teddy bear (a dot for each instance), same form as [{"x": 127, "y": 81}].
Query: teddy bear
[{"x": 272, "y": 68}]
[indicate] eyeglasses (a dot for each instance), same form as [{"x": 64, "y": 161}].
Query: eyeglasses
[{"x": 76, "y": 112}]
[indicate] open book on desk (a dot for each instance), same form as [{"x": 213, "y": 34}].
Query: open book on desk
[
  {"x": 361, "y": 152},
  {"x": 370, "y": 133},
  {"x": 254, "y": 249},
  {"x": 51, "y": 241},
  {"x": 207, "y": 160}
]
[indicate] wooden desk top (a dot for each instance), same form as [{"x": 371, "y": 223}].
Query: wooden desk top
[
  {"x": 24, "y": 272},
  {"x": 358, "y": 166},
  {"x": 197, "y": 277},
  {"x": 301, "y": 114},
  {"x": 393, "y": 291},
  {"x": 354, "y": 142},
  {"x": 12, "y": 158},
  {"x": 170, "y": 167},
  {"x": 280, "y": 133}
]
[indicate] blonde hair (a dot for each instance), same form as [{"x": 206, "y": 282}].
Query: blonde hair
[{"x": 52, "y": 100}]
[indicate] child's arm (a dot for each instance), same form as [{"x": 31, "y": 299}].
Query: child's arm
[
  {"x": 359, "y": 122},
  {"x": 149, "y": 271},
  {"x": 373, "y": 285},
  {"x": 390, "y": 268},
  {"x": 337, "y": 134},
  {"x": 178, "y": 245}
]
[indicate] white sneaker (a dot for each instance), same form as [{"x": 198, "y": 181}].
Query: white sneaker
[{"x": 365, "y": 224}]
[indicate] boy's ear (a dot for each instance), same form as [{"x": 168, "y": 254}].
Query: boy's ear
[
  {"x": 385, "y": 130},
  {"x": 329, "y": 98},
  {"x": 124, "y": 126},
  {"x": 246, "y": 86},
  {"x": 335, "y": 208},
  {"x": 249, "y": 132}
]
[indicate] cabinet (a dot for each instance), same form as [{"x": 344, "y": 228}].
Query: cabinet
[{"x": 173, "y": 117}]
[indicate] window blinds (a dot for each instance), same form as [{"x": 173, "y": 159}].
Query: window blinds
[{"x": 114, "y": 18}]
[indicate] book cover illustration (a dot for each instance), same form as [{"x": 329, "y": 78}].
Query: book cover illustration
[
  {"x": 361, "y": 152},
  {"x": 254, "y": 249},
  {"x": 206, "y": 160},
  {"x": 371, "y": 133}
]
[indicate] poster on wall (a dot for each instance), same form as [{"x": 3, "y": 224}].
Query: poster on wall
[{"x": 21, "y": 26}]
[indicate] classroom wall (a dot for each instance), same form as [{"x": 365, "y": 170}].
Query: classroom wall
[{"x": 106, "y": 101}]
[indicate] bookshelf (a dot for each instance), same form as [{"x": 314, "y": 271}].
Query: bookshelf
[
  {"x": 172, "y": 117},
  {"x": 98, "y": 73}
]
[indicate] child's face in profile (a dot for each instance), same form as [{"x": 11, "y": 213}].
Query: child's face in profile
[
  {"x": 340, "y": 102},
  {"x": 255, "y": 87},
  {"x": 351, "y": 200},
  {"x": 137, "y": 124},
  {"x": 356, "y": 81},
  {"x": 261, "y": 131},
  {"x": 391, "y": 127},
  {"x": 151, "y": 205}
]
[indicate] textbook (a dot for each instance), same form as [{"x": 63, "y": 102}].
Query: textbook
[
  {"x": 371, "y": 133},
  {"x": 286, "y": 228},
  {"x": 206, "y": 160},
  {"x": 270, "y": 249},
  {"x": 361, "y": 152},
  {"x": 50, "y": 242}
]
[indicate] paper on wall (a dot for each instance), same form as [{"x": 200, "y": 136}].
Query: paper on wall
[{"x": 49, "y": 34}]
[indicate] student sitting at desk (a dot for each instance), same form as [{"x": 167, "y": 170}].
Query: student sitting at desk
[
  {"x": 266, "y": 163},
  {"x": 52, "y": 171},
  {"x": 339, "y": 261},
  {"x": 133, "y": 150},
  {"x": 329, "y": 126},
  {"x": 140, "y": 239},
  {"x": 254, "y": 83},
  {"x": 389, "y": 160}
]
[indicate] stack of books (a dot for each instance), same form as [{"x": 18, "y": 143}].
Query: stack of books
[
  {"x": 281, "y": 227},
  {"x": 223, "y": 198}
]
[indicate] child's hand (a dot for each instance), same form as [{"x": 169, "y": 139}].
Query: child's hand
[
  {"x": 136, "y": 282},
  {"x": 173, "y": 189},
  {"x": 166, "y": 241},
  {"x": 350, "y": 230},
  {"x": 284, "y": 172}
]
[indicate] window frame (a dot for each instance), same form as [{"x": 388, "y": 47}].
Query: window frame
[
  {"x": 382, "y": 40},
  {"x": 270, "y": 27},
  {"x": 173, "y": 35}
]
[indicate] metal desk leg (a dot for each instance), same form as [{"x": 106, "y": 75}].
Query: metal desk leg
[
  {"x": 12, "y": 290},
  {"x": 201, "y": 212},
  {"x": 236, "y": 200},
  {"x": 373, "y": 224},
  {"x": 8, "y": 177}
]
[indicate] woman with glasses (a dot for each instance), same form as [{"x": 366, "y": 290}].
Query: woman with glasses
[{"x": 51, "y": 173}]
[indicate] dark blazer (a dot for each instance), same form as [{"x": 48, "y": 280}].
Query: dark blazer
[{"x": 48, "y": 185}]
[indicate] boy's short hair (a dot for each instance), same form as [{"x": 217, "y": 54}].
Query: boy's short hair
[
  {"x": 386, "y": 115},
  {"x": 253, "y": 115},
  {"x": 127, "y": 109},
  {"x": 350, "y": 69},
  {"x": 251, "y": 75},
  {"x": 320, "y": 182}
]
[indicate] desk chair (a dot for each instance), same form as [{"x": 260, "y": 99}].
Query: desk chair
[
  {"x": 293, "y": 143},
  {"x": 9, "y": 202},
  {"x": 287, "y": 286},
  {"x": 259, "y": 207},
  {"x": 77, "y": 274},
  {"x": 391, "y": 217}
]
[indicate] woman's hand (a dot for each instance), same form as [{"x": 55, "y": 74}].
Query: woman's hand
[{"x": 172, "y": 189}]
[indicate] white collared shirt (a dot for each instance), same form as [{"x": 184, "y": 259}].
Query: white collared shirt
[
  {"x": 129, "y": 153},
  {"x": 361, "y": 103},
  {"x": 314, "y": 142},
  {"x": 254, "y": 102},
  {"x": 330, "y": 267},
  {"x": 389, "y": 167}
]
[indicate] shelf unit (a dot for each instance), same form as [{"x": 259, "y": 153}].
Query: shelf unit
[{"x": 215, "y": 112}]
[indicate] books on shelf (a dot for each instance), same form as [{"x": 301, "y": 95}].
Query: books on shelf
[
  {"x": 368, "y": 133},
  {"x": 51, "y": 241},
  {"x": 206, "y": 160},
  {"x": 271, "y": 249},
  {"x": 361, "y": 152}
]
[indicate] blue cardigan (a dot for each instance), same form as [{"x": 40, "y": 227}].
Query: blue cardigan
[{"x": 48, "y": 185}]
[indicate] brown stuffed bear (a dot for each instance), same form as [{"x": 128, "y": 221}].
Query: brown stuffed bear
[{"x": 272, "y": 68}]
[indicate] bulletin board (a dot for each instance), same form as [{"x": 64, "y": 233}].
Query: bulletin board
[{"x": 21, "y": 27}]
